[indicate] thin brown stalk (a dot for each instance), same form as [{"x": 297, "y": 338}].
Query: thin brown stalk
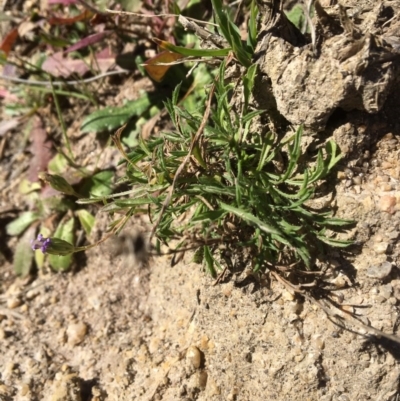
[
  {"x": 335, "y": 312},
  {"x": 185, "y": 161}
]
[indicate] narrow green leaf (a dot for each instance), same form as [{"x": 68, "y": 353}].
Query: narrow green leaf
[
  {"x": 319, "y": 171},
  {"x": 252, "y": 28},
  {"x": 231, "y": 33},
  {"x": 335, "y": 222},
  {"x": 238, "y": 46},
  {"x": 131, "y": 202},
  {"x": 175, "y": 95},
  {"x": 86, "y": 219},
  {"x": 58, "y": 183},
  {"x": 304, "y": 191},
  {"x": 110, "y": 118},
  {"x": 335, "y": 242},
  {"x": 210, "y": 215},
  {"x": 134, "y": 193},
  {"x": 333, "y": 153},
  {"x": 266, "y": 156},
  {"x": 251, "y": 219},
  {"x": 192, "y": 52},
  {"x": 21, "y": 223},
  {"x": 23, "y": 255},
  {"x": 294, "y": 154},
  {"x": 249, "y": 116},
  {"x": 209, "y": 261},
  {"x": 198, "y": 255},
  {"x": 197, "y": 154}
]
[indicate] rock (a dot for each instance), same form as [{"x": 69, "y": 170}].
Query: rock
[
  {"x": 32, "y": 293},
  {"x": 194, "y": 356},
  {"x": 202, "y": 379},
  {"x": 94, "y": 301},
  {"x": 212, "y": 387},
  {"x": 291, "y": 73},
  {"x": 380, "y": 272},
  {"x": 66, "y": 387},
  {"x": 387, "y": 203},
  {"x": 24, "y": 390},
  {"x": 287, "y": 295},
  {"x": 13, "y": 303},
  {"x": 76, "y": 332},
  {"x": 386, "y": 291},
  {"x": 339, "y": 281},
  {"x": 317, "y": 342},
  {"x": 381, "y": 247}
]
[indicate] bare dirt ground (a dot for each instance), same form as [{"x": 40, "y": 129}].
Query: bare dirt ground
[{"x": 119, "y": 329}]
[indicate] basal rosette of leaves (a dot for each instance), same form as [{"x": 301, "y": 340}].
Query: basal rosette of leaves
[{"x": 231, "y": 198}]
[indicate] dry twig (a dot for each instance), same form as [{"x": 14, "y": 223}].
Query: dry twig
[{"x": 334, "y": 312}]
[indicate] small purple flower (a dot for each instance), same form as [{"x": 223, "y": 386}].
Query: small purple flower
[
  {"x": 40, "y": 243},
  {"x": 53, "y": 246}
]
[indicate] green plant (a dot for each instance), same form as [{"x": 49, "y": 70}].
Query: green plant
[{"x": 235, "y": 194}]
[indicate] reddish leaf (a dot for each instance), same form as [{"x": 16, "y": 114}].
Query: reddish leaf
[
  {"x": 157, "y": 71},
  {"x": 41, "y": 149},
  {"x": 89, "y": 40},
  {"x": 69, "y": 21},
  {"x": 9, "y": 40},
  {"x": 105, "y": 59},
  {"x": 58, "y": 66}
]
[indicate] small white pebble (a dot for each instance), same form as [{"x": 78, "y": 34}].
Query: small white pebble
[
  {"x": 95, "y": 302},
  {"x": 24, "y": 308},
  {"x": 193, "y": 354},
  {"x": 287, "y": 295},
  {"x": 76, "y": 332},
  {"x": 13, "y": 303},
  {"x": 339, "y": 281},
  {"x": 32, "y": 294},
  {"x": 348, "y": 308},
  {"x": 317, "y": 341},
  {"x": 24, "y": 390},
  {"x": 386, "y": 291},
  {"x": 379, "y": 272},
  {"x": 381, "y": 247}
]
